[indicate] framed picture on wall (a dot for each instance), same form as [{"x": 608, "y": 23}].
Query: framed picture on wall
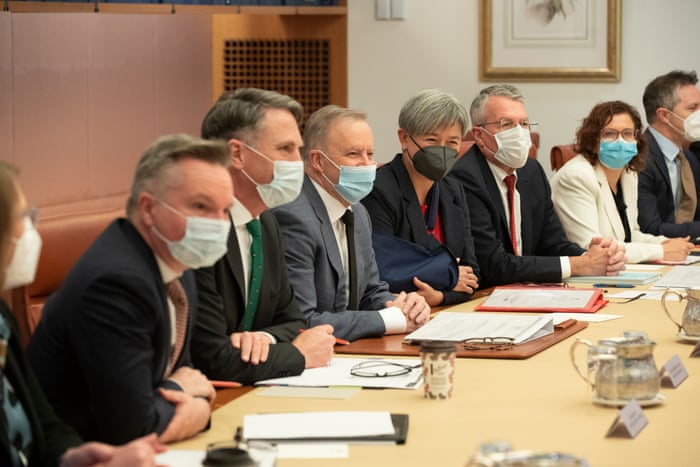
[{"x": 549, "y": 40}]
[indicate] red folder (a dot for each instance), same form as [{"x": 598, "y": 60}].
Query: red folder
[{"x": 544, "y": 299}]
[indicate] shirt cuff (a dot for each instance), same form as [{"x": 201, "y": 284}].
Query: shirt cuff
[
  {"x": 272, "y": 338},
  {"x": 394, "y": 320},
  {"x": 565, "y": 267}
]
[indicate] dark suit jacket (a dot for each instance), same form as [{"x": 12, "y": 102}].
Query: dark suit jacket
[
  {"x": 222, "y": 306},
  {"x": 50, "y": 436},
  {"x": 394, "y": 210},
  {"x": 101, "y": 348},
  {"x": 316, "y": 270},
  {"x": 543, "y": 237},
  {"x": 657, "y": 213}
]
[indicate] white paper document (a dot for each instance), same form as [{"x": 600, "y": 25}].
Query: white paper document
[
  {"x": 317, "y": 425},
  {"x": 679, "y": 277},
  {"x": 646, "y": 295},
  {"x": 529, "y": 298},
  {"x": 457, "y": 327},
  {"x": 338, "y": 374}
]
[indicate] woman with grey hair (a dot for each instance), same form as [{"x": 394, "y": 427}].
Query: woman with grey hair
[{"x": 418, "y": 217}]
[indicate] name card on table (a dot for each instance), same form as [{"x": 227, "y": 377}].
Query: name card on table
[
  {"x": 696, "y": 350},
  {"x": 630, "y": 421},
  {"x": 673, "y": 373}
]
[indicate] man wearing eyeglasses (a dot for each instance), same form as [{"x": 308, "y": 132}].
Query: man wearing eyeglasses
[
  {"x": 517, "y": 234},
  {"x": 668, "y": 186}
]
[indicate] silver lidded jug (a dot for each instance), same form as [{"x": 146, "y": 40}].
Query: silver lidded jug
[
  {"x": 690, "y": 326},
  {"x": 620, "y": 368}
]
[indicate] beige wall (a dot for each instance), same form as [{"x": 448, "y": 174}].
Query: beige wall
[
  {"x": 82, "y": 95},
  {"x": 437, "y": 46}
]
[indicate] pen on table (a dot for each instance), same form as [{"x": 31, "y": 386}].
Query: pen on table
[
  {"x": 225, "y": 384},
  {"x": 619, "y": 286},
  {"x": 338, "y": 340}
]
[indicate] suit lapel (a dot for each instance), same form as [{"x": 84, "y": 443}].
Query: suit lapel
[
  {"x": 329, "y": 241},
  {"x": 233, "y": 261},
  {"x": 414, "y": 214},
  {"x": 658, "y": 159},
  {"x": 523, "y": 187},
  {"x": 493, "y": 190},
  {"x": 451, "y": 218}
]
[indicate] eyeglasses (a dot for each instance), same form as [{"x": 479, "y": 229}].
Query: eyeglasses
[
  {"x": 488, "y": 343},
  {"x": 609, "y": 134},
  {"x": 507, "y": 124},
  {"x": 381, "y": 369}
]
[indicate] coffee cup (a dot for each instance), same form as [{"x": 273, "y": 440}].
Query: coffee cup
[{"x": 438, "y": 363}]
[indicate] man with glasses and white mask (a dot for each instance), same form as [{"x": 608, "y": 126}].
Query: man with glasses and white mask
[
  {"x": 327, "y": 234},
  {"x": 248, "y": 321},
  {"x": 668, "y": 186},
  {"x": 111, "y": 351},
  {"x": 517, "y": 234}
]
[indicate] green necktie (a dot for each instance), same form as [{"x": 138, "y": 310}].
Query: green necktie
[{"x": 256, "y": 270}]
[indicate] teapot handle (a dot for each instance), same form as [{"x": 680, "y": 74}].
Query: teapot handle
[
  {"x": 572, "y": 355},
  {"x": 681, "y": 297}
]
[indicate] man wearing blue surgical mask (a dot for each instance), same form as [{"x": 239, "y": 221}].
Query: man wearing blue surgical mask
[
  {"x": 669, "y": 185},
  {"x": 517, "y": 234},
  {"x": 111, "y": 351},
  {"x": 248, "y": 322},
  {"x": 327, "y": 234}
]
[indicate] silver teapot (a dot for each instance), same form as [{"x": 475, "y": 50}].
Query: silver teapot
[
  {"x": 691, "y": 315},
  {"x": 620, "y": 368}
]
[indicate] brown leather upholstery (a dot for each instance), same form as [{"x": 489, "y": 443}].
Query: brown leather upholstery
[
  {"x": 65, "y": 238},
  {"x": 468, "y": 142},
  {"x": 560, "y": 155}
]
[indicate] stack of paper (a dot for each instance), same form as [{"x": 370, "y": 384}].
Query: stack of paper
[
  {"x": 458, "y": 327},
  {"x": 625, "y": 277}
]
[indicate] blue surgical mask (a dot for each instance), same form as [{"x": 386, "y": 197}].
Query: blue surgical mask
[
  {"x": 354, "y": 182},
  {"x": 285, "y": 186},
  {"x": 616, "y": 154},
  {"x": 204, "y": 242}
]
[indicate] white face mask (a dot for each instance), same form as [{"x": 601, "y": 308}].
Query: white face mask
[
  {"x": 205, "y": 240},
  {"x": 22, "y": 267},
  {"x": 691, "y": 126},
  {"x": 287, "y": 178},
  {"x": 513, "y": 146}
]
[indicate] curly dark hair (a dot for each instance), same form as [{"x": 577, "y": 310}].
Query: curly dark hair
[{"x": 588, "y": 134}]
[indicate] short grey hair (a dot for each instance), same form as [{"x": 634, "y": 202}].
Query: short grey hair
[
  {"x": 237, "y": 114},
  {"x": 431, "y": 110},
  {"x": 476, "y": 111},
  {"x": 316, "y": 132},
  {"x": 151, "y": 170}
]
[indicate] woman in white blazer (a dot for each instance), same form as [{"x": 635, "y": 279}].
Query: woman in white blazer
[{"x": 595, "y": 193}]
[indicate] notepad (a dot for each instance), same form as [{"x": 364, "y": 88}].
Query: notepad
[
  {"x": 348, "y": 426},
  {"x": 625, "y": 277}
]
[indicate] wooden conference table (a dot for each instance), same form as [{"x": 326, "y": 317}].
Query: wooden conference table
[{"x": 539, "y": 403}]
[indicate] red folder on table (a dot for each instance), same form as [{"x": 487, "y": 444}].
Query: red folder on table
[{"x": 543, "y": 299}]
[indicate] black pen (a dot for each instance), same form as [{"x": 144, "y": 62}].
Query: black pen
[{"x": 619, "y": 286}]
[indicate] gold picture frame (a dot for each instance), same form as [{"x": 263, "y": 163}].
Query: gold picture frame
[{"x": 586, "y": 49}]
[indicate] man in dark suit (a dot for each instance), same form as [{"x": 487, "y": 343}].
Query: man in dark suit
[
  {"x": 235, "y": 339},
  {"x": 325, "y": 225},
  {"x": 670, "y": 183},
  {"x": 517, "y": 234},
  {"x": 112, "y": 348}
]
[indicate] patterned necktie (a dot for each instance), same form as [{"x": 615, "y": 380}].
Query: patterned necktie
[
  {"x": 256, "y": 270},
  {"x": 510, "y": 183},
  {"x": 349, "y": 221},
  {"x": 688, "y": 196},
  {"x": 177, "y": 296}
]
